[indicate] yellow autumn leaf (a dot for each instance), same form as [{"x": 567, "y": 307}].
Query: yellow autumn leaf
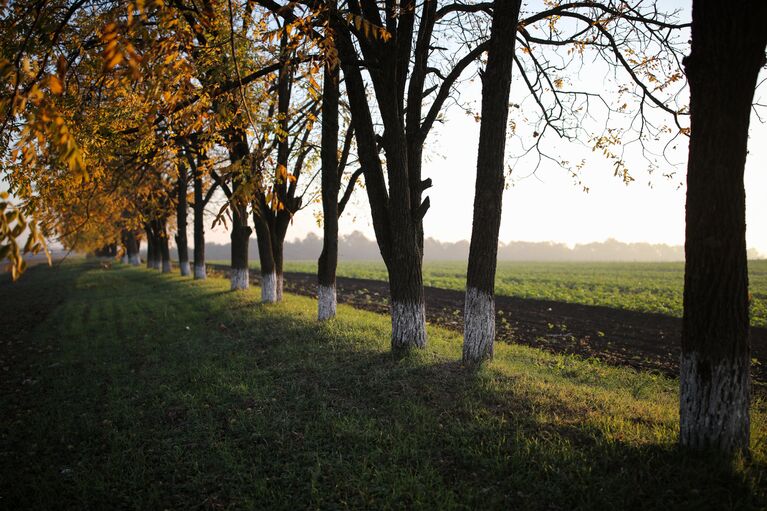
[
  {"x": 114, "y": 60},
  {"x": 55, "y": 84}
]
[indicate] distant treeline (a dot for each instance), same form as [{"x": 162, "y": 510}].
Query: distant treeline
[{"x": 356, "y": 246}]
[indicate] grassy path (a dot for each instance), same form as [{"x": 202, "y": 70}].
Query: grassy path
[{"x": 130, "y": 389}]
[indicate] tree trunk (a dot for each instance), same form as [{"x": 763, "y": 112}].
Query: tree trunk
[
  {"x": 408, "y": 313},
  {"x": 727, "y": 52},
  {"x": 153, "y": 258},
  {"x": 328, "y": 261},
  {"x": 132, "y": 248},
  {"x": 181, "y": 207},
  {"x": 199, "y": 226},
  {"x": 271, "y": 226},
  {"x": 164, "y": 249},
  {"x": 396, "y": 217},
  {"x": 238, "y": 152},
  {"x": 277, "y": 249},
  {"x": 479, "y": 311},
  {"x": 265, "y": 254},
  {"x": 240, "y": 241}
]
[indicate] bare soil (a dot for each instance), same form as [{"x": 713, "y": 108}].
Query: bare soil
[{"x": 620, "y": 337}]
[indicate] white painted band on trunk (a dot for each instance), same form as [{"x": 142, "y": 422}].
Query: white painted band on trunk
[
  {"x": 478, "y": 325},
  {"x": 166, "y": 267},
  {"x": 408, "y": 325},
  {"x": 155, "y": 264},
  {"x": 200, "y": 272},
  {"x": 185, "y": 270},
  {"x": 326, "y": 302},
  {"x": 713, "y": 403},
  {"x": 134, "y": 259},
  {"x": 269, "y": 287},
  {"x": 239, "y": 278},
  {"x": 124, "y": 259}
]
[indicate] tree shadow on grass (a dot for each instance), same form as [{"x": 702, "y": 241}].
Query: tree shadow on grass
[{"x": 429, "y": 427}]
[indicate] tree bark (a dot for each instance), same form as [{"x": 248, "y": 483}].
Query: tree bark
[
  {"x": 277, "y": 249},
  {"x": 153, "y": 257},
  {"x": 181, "y": 212},
  {"x": 285, "y": 191},
  {"x": 132, "y": 247},
  {"x": 727, "y": 52},
  {"x": 162, "y": 240},
  {"x": 265, "y": 254},
  {"x": 328, "y": 261},
  {"x": 408, "y": 312},
  {"x": 479, "y": 312},
  {"x": 240, "y": 235},
  {"x": 199, "y": 225},
  {"x": 149, "y": 245}
]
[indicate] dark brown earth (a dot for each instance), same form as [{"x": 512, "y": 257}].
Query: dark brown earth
[{"x": 620, "y": 337}]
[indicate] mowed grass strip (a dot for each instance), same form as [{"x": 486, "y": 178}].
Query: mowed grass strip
[
  {"x": 148, "y": 391},
  {"x": 643, "y": 287}
]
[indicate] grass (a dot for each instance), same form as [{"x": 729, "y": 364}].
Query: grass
[
  {"x": 124, "y": 388},
  {"x": 645, "y": 287}
]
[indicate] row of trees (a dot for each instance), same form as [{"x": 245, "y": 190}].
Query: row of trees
[{"x": 113, "y": 112}]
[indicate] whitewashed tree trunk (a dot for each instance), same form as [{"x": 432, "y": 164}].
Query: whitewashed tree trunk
[
  {"x": 713, "y": 403},
  {"x": 278, "y": 287},
  {"x": 156, "y": 264},
  {"x": 269, "y": 287},
  {"x": 200, "y": 272},
  {"x": 185, "y": 270},
  {"x": 239, "y": 278},
  {"x": 166, "y": 267},
  {"x": 124, "y": 259},
  {"x": 326, "y": 302},
  {"x": 408, "y": 325},
  {"x": 134, "y": 259},
  {"x": 478, "y": 326}
]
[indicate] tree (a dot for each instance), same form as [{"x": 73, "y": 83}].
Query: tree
[
  {"x": 332, "y": 173},
  {"x": 638, "y": 42},
  {"x": 727, "y": 52},
  {"x": 197, "y": 159},
  {"x": 131, "y": 243},
  {"x": 277, "y": 198},
  {"x": 182, "y": 185},
  {"x": 239, "y": 158},
  {"x": 479, "y": 315},
  {"x": 328, "y": 261},
  {"x": 381, "y": 37}
]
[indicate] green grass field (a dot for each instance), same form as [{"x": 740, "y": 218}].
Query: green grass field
[
  {"x": 124, "y": 388},
  {"x": 645, "y": 287}
]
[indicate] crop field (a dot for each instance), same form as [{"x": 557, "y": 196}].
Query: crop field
[{"x": 644, "y": 287}]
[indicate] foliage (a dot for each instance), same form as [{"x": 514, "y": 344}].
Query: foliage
[
  {"x": 13, "y": 223},
  {"x": 101, "y": 100}
]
